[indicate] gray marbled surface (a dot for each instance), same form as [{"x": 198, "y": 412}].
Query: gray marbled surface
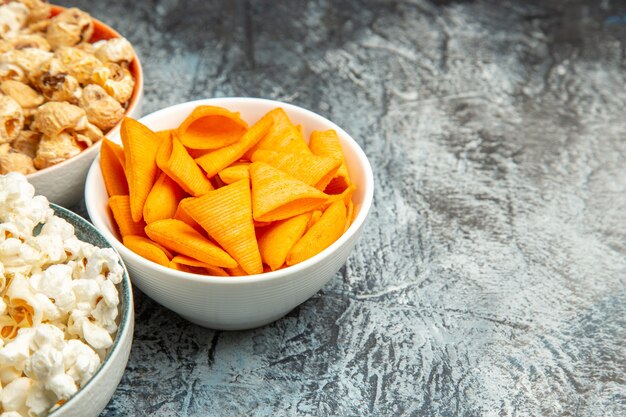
[{"x": 491, "y": 278}]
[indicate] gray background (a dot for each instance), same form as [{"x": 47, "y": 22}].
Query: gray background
[{"x": 490, "y": 279}]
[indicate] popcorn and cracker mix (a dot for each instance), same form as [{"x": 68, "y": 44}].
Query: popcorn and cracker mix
[{"x": 58, "y": 92}]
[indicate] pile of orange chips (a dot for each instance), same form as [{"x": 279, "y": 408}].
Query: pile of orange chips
[{"x": 218, "y": 197}]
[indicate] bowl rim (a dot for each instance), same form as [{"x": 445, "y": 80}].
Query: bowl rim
[
  {"x": 126, "y": 315},
  {"x": 256, "y": 278},
  {"x": 132, "y": 105}
]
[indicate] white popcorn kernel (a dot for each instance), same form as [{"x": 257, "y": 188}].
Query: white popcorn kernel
[
  {"x": 62, "y": 385},
  {"x": 105, "y": 316},
  {"x": 50, "y": 311},
  {"x": 8, "y": 230},
  {"x": 45, "y": 363},
  {"x": 96, "y": 336},
  {"x": 14, "y": 187},
  {"x": 39, "y": 400},
  {"x": 47, "y": 335},
  {"x": 18, "y": 257},
  {"x": 56, "y": 283},
  {"x": 16, "y": 353},
  {"x": 81, "y": 361},
  {"x": 10, "y": 248},
  {"x": 51, "y": 248},
  {"x": 10, "y": 252},
  {"x": 84, "y": 306},
  {"x": 109, "y": 293},
  {"x": 87, "y": 250},
  {"x": 8, "y": 374},
  {"x": 106, "y": 262},
  {"x": 21, "y": 294},
  {"x": 75, "y": 323},
  {"x": 14, "y": 395},
  {"x": 56, "y": 226},
  {"x": 72, "y": 247},
  {"x": 86, "y": 291}
]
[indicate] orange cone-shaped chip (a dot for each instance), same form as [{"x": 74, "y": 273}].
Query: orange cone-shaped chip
[
  {"x": 183, "y": 216},
  {"x": 277, "y": 239},
  {"x": 148, "y": 249},
  {"x": 179, "y": 237},
  {"x": 112, "y": 166},
  {"x": 215, "y": 161},
  {"x": 194, "y": 263},
  {"x": 235, "y": 172},
  {"x": 140, "y": 147},
  {"x": 211, "y": 127},
  {"x": 162, "y": 200},
  {"x": 165, "y": 134},
  {"x": 173, "y": 159},
  {"x": 321, "y": 235},
  {"x": 327, "y": 143},
  {"x": 236, "y": 271},
  {"x": 315, "y": 216},
  {"x": 345, "y": 196},
  {"x": 226, "y": 214},
  {"x": 314, "y": 170},
  {"x": 283, "y": 135},
  {"x": 278, "y": 196},
  {"x": 120, "y": 207}
]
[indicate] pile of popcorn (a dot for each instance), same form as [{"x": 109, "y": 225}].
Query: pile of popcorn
[
  {"x": 58, "y": 303},
  {"x": 58, "y": 92}
]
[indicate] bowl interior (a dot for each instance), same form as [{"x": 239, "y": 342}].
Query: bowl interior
[
  {"x": 251, "y": 109},
  {"x": 88, "y": 233},
  {"x": 101, "y": 32}
]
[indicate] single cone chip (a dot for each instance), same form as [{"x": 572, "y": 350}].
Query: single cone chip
[
  {"x": 150, "y": 250},
  {"x": 278, "y": 196},
  {"x": 173, "y": 159},
  {"x": 120, "y": 207},
  {"x": 215, "y": 161},
  {"x": 112, "y": 167},
  {"x": 235, "y": 172},
  {"x": 321, "y": 235},
  {"x": 179, "y": 237},
  {"x": 327, "y": 143},
  {"x": 314, "y": 170},
  {"x": 194, "y": 263},
  {"x": 211, "y": 127},
  {"x": 163, "y": 199},
  {"x": 276, "y": 240},
  {"x": 140, "y": 148},
  {"x": 226, "y": 214}
]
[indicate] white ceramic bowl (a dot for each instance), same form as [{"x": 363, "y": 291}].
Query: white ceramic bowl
[
  {"x": 64, "y": 183},
  {"x": 233, "y": 303},
  {"x": 91, "y": 399}
]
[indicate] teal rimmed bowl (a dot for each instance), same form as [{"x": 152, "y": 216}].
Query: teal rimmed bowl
[{"x": 90, "y": 399}]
